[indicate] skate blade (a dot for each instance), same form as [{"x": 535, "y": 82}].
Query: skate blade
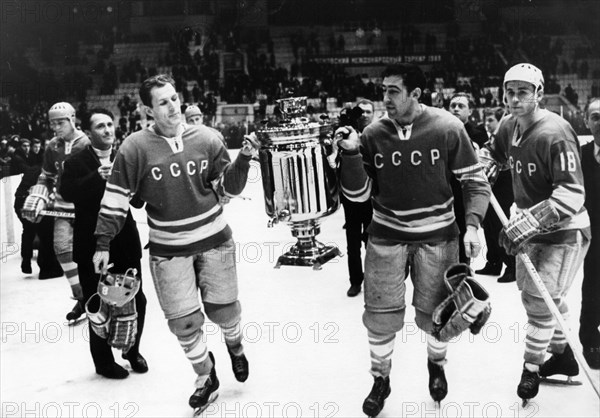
[
  {"x": 213, "y": 397},
  {"x": 562, "y": 382}
]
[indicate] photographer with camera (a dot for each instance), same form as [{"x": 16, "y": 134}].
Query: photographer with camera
[{"x": 357, "y": 215}]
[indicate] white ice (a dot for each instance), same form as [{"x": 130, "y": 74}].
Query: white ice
[{"x": 305, "y": 341}]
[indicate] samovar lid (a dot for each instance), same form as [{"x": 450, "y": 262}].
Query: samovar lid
[{"x": 292, "y": 107}]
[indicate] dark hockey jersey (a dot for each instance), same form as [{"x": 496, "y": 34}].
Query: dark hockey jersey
[
  {"x": 408, "y": 177},
  {"x": 545, "y": 164},
  {"x": 176, "y": 182},
  {"x": 56, "y": 152}
]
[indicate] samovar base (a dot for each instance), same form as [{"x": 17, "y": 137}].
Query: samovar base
[
  {"x": 307, "y": 251},
  {"x": 315, "y": 257}
]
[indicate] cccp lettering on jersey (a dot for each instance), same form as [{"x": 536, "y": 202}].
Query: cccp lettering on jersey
[
  {"x": 414, "y": 158},
  {"x": 519, "y": 167},
  {"x": 191, "y": 168}
]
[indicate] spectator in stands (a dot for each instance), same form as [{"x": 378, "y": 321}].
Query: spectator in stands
[
  {"x": 595, "y": 89},
  {"x": 502, "y": 189},
  {"x": 21, "y": 157},
  {"x": 124, "y": 104},
  {"x": 37, "y": 155},
  {"x": 6, "y": 153},
  {"x": 571, "y": 95}
]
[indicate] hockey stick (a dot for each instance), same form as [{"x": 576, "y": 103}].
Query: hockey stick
[
  {"x": 537, "y": 280},
  {"x": 57, "y": 214}
]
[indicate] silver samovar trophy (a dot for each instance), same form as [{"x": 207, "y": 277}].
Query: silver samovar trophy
[{"x": 299, "y": 185}]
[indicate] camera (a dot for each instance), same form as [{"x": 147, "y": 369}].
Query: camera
[{"x": 350, "y": 117}]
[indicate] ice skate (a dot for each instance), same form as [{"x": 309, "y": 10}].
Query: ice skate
[
  {"x": 77, "y": 314},
  {"x": 528, "y": 386},
  {"x": 239, "y": 364},
  {"x": 438, "y": 386},
  {"x": 207, "y": 394},
  {"x": 373, "y": 404},
  {"x": 563, "y": 364}
]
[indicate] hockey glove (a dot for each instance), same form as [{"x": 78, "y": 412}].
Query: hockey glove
[
  {"x": 250, "y": 145},
  {"x": 35, "y": 203},
  {"x": 123, "y": 326},
  {"x": 527, "y": 224},
  {"x": 467, "y": 306},
  {"x": 98, "y": 312},
  {"x": 490, "y": 166}
]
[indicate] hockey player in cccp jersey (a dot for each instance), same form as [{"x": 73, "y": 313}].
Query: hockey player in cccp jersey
[
  {"x": 551, "y": 224},
  {"x": 67, "y": 140}
]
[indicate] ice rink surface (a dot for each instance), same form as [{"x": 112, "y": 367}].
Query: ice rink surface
[{"x": 304, "y": 339}]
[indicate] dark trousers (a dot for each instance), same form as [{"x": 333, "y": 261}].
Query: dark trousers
[
  {"x": 358, "y": 216},
  {"x": 589, "y": 336},
  {"x": 102, "y": 354},
  {"x": 46, "y": 256},
  {"x": 491, "y": 223},
  {"x": 459, "y": 213},
  {"x": 29, "y": 231},
  {"x": 44, "y": 230}
]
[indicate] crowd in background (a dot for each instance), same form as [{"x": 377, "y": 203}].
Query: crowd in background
[{"x": 470, "y": 65}]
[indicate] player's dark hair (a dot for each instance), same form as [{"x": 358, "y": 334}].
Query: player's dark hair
[
  {"x": 412, "y": 75},
  {"x": 86, "y": 121},
  {"x": 148, "y": 84}
]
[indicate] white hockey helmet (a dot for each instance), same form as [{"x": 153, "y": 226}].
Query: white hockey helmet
[
  {"x": 525, "y": 72},
  {"x": 192, "y": 110},
  {"x": 61, "y": 110}
]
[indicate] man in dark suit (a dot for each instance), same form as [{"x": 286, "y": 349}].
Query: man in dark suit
[
  {"x": 589, "y": 321},
  {"x": 83, "y": 183},
  {"x": 502, "y": 189},
  {"x": 462, "y": 106}
]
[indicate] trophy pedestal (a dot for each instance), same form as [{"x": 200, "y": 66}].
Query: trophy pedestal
[
  {"x": 300, "y": 185},
  {"x": 307, "y": 251}
]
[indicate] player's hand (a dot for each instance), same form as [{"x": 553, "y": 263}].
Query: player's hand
[
  {"x": 105, "y": 170},
  {"x": 250, "y": 145},
  {"x": 100, "y": 261},
  {"x": 471, "y": 242},
  {"x": 346, "y": 139},
  {"x": 510, "y": 247}
]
